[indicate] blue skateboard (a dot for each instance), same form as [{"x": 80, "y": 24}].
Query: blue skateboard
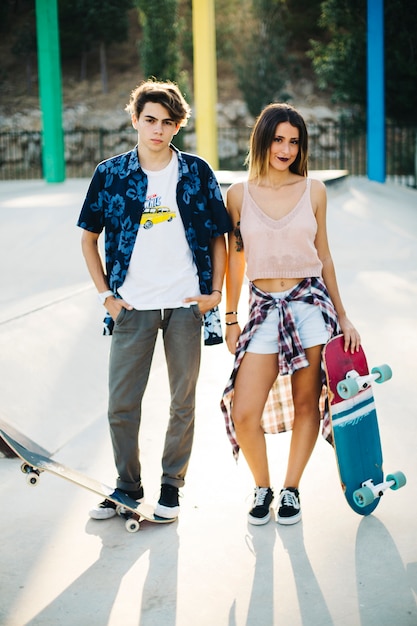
[{"x": 355, "y": 429}]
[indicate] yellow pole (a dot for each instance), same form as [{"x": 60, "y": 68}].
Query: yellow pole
[{"x": 205, "y": 80}]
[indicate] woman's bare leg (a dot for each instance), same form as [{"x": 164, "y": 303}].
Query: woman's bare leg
[
  {"x": 254, "y": 380},
  {"x": 306, "y": 389}
]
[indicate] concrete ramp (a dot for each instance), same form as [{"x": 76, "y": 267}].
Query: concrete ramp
[
  {"x": 210, "y": 567},
  {"x": 55, "y": 379},
  {"x": 53, "y": 358}
]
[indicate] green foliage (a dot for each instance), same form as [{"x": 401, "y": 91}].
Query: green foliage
[
  {"x": 185, "y": 31},
  {"x": 25, "y": 40},
  {"x": 159, "y": 51},
  {"x": 302, "y": 23},
  {"x": 94, "y": 25},
  {"x": 86, "y": 23},
  {"x": 76, "y": 40},
  {"x": 339, "y": 55},
  {"x": 12, "y": 10},
  {"x": 265, "y": 66},
  {"x": 5, "y": 14},
  {"x": 266, "y": 42},
  {"x": 339, "y": 58},
  {"x": 230, "y": 26},
  {"x": 24, "y": 47},
  {"x": 401, "y": 60}
]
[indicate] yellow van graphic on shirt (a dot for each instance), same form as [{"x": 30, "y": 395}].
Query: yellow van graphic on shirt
[
  {"x": 155, "y": 216},
  {"x": 155, "y": 213}
]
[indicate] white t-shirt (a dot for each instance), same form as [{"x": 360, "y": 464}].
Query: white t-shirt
[{"x": 161, "y": 271}]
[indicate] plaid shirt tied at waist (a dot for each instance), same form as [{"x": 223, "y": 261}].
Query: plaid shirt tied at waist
[{"x": 278, "y": 415}]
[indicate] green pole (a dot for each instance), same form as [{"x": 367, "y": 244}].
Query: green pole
[{"x": 50, "y": 90}]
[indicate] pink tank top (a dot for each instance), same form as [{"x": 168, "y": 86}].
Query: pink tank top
[{"x": 282, "y": 248}]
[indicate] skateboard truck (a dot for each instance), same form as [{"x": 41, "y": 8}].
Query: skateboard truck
[
  {"x": 32, "y": 474},
  {"x": 369, "y": 491},
  {"x": 353, "y": 383},
  {"x": 132, "y": 523}
]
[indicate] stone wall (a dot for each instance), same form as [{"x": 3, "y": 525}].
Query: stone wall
[{"x": 93, "y": 135}]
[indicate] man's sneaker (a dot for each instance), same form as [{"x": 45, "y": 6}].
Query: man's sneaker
[
  {"x": 107, "y": 508},
  {"x": 260, "y": 513},
  {"x": 289, "y": 511},
  {"x": 168, "y": 505}
]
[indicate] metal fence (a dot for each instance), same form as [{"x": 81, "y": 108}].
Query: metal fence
[{"x": 332, "y": 145}]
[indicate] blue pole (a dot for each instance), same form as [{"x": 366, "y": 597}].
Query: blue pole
[{"x": 375, "y": 92}]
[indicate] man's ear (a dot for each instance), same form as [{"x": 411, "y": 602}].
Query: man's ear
[{"x": 134, "y": 120}]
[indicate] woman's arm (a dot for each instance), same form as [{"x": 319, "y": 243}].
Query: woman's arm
[
  {"x": 319, "y": 201},
  {"x": 235, "y": 268}
]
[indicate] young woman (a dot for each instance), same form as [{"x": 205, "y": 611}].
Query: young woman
[{"x": 279, "y": 235}]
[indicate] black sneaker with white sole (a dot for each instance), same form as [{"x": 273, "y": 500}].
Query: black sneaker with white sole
[
  {"x": 168, "y": 505},
  {"x": 289, "y": 510},
  {"x": 260, "y": 512},
  {"x": 107, "y": 508}
]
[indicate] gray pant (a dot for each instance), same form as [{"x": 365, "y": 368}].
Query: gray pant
[{"x": 133, "y": 344}]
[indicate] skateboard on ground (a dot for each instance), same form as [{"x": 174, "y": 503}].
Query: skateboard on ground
[
  {"x": 355, "y": 429},
  {"x": 35, "y": 463},
  {"x": 5, "y": 449}
]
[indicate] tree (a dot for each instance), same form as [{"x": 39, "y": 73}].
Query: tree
[
  {"x": 401, "y": 60},
  {"x": 89, "y": 24},
  {"x": 110, "y": 27},
  {"x": 25, "y": 47},
  {"x": 339, "y": 58},
  {"x": 6, "y": 10},
  {"x": 159, "y": 50},
  {"x": 265, "y": 64}
]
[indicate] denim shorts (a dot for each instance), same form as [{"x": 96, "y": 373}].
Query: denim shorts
[{"x": 308, "y": 320}]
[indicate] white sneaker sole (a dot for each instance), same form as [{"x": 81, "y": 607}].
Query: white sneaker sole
[
  {"x": 105, "y": 513},
  {"x": 168, "y": 512},
  {"x": 259, "y": 521},
  {"x": 288, "y": 521}
]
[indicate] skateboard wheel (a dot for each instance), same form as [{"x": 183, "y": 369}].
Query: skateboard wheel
[
  {"x": 363, "y": 496},
  {"x": 384, "y": 373},
  {"x": 347, "y": 388},
  {"x": 132, "y": 525},
  {"x": 32, "y": 479},
  {"x": 399, "y": 480}
]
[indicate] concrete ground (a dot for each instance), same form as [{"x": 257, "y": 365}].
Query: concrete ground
[{"x": 210, "y": 568}]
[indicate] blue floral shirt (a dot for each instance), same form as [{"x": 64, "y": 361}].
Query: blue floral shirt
[{"x": 115, "y": 201}]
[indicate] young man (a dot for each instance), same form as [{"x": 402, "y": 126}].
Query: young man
[{"x": 164, "y": 222}]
